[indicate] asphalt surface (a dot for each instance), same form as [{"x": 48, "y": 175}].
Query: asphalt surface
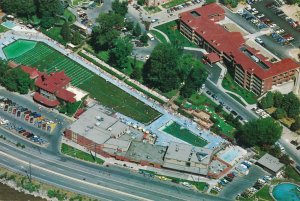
[
  {"x": 239, "y": 184},
  {"x": 270, "y": 44},
  {"x": 86, "y": 177}
]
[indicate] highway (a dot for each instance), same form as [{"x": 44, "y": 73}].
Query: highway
[{"x": 107, "y": 183}]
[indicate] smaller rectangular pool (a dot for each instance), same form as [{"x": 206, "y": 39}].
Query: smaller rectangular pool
[
  {"x": 8, "y": 24},
  {"x": 230, "y": 155}
]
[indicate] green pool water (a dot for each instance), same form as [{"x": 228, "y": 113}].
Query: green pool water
[{"x": 18, "y": 48}]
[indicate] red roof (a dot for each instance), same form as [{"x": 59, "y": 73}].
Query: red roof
[
  {"x": 53, "y": 82},
  {"x": 66, "y": 95},
  {"x": 79, "y": 112},
  {"x": 45, "y": 101},
  {"x": 33, "y": 72},
  {"x": 213, "y": 57},
  {"x": 230, "y": 43}
]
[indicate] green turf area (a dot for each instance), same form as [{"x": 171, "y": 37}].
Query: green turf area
[
  {"x": 173, "y": 3},
  {"x": 152, "y": 9},
  {"x": 18, "y": 48},
  {"x": 176, "y": 38},
  {"x": 69, "y": 16},
  {"x": 71, "y": 151},
  {"x": 264, "y": 193},
  {"x": 292, "y": 173},
  {"x": 201, "y": 99},
  {"x": 184, "y": 134},
  {"x": 236, "y": 98},
  {"x": 113, "y": 97},
  {"x": 3, "y": 29},
  {"x": 229, "y": 84},
  {"x": 44, "y": 57},
  {"x": 54, "y": 33},
  {"x": 159, "y": 36}
]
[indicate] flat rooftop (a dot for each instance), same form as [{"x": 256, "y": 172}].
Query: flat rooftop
[
  {"x": 270, "y": 162},
  {"x": 140, "y": 151},
  {"x": 98, "y": 125}
]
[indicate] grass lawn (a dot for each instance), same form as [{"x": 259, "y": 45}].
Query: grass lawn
[
  {"x": 54, "y": 33},
  {"x": 169, "y": 94},
  {"x": 185, "y": 135},
  {"x": 159, "y": 36},
  {"x": 113, "y": 97},
  {"x": 229, "y": 84},
  {"x": 292, "y": 173},
  {"x": 152, "y": 9},
  {"x": 201, "y": 99},
  {"x": 71, "y": 151},
  {"x": 173, "y": 3},
  {"x": 176, "y": 38},
  {"x": 263, "y": 194},
  {"x": 69, "y": 15},
  {"x": 3, "y": 29},
  {"x": 236, "y": 98}
]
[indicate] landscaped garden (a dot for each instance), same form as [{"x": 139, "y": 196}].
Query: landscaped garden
[
  {"x": 184, "y": 134},
  {"x": 173, "y": 33},
  {"x": 152, "y": 9},
  {"x": 43, "y": 57},
  {"x": 229, "y": 84},
  {"x": 173, "y": 3},
  {"x": 71, "y": 151}
]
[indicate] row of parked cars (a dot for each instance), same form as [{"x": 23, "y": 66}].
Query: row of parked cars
[
  {"x": 225, "y": 180},
  {"x": 26, "y": 114},
  {"x": 259, "y": 19},
  {"x": 256, "y": 187},
  {"x": 26, "y": 134},
  {"x": 184, "y": 5}
]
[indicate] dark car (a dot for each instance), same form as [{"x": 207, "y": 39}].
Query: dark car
[
  {"x": 234, "y": 113},
  {"x": 298, "y": 167}
]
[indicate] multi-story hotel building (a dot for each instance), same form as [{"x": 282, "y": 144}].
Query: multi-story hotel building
[{"x": 252, "y": 70}]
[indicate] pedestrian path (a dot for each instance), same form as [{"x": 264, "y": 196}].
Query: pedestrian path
[{"x": 162, "y": 33}]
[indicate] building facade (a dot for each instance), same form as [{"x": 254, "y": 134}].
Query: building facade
[{"x": 252, "y": 70}]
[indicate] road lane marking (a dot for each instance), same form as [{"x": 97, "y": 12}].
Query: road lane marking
[{"x": 77, "y": 180}]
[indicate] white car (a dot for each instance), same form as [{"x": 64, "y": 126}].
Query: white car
[
  {"x": 240, "y": 12},
  {"x": 258, "y": 40},
  {"x": 260, "y": 16},
  {"x": 147, "y": 57},
  {"x": 279, "y": 31},
  {"x": 273, "y": 25}
]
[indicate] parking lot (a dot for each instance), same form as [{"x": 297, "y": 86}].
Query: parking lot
[{"x": 29, "y": 129}]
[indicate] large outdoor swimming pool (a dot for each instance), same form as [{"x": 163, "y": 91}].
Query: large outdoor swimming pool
[{"x": 286, "y": 192}]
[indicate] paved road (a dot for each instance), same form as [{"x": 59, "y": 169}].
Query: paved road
[{"x": 70, "y": 174}]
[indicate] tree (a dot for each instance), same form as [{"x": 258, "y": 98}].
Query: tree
[
  {"x": 259, "y": 132},
  {"x": 66, "y": 32},
  {"x": 275, "y": 151},
  {"x": 219, "y": 108},
  {"x": 296, "y": 125},
  {"x": 285, "y": 159},
  {"x": 186, "y": 63},
  {"x": 144, "y": 38},
  {"x": 137, "y": 30},
  {"x": 118, "y": 56},
  {"x": 120, "y": 8},
  {"x": 277, "y": 97},
  {"x": 160, "y": 71},
  {"x": 108, "y": 30},
  {"x": 291, "y": 105},
  {"x": 76, "y": 40},
  {"x": 194, "y": 81},
  {"x": 129, "y": 25},
  {"x": 47, "y": 21},
  {"x": 19, "y": 7},
  {"x": 279, "y": 113},
  {"x": 52, "y": 8},
  {"x": 267, "y": 101},
  {"x": 141, "y": 2},
  {"x": 136, "y": 72}
]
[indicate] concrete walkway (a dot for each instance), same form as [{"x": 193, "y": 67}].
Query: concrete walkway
[{"x": 162, "y": 33}]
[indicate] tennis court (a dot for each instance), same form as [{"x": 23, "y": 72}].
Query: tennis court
[
  {"x": 184, "y": 134},
  {"x": 43, "y": 57}
]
